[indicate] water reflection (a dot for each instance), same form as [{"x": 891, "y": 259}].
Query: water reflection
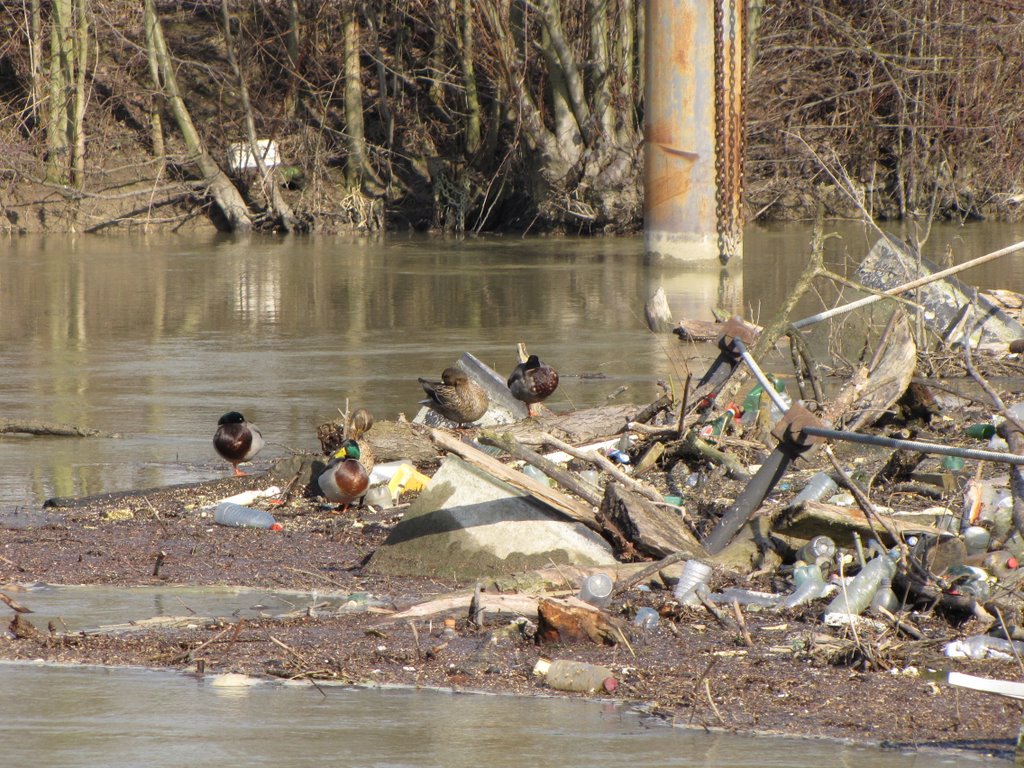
[
  {"x": 77, "y": 717},
  {"x": 155, "y": 338}
]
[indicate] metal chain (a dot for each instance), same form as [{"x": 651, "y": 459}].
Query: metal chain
[{"x": 730, "y": 130}]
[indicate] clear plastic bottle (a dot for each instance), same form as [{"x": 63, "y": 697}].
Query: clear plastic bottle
[
  {"x": 884, "y": 597},
  {"x": 982, "y": 646},
  {"x": 237, "y": 516},
  {"x": 567, "y": 675},
  {"x": 820, "y": 486},
  {"x": 817, "y": 549},
  {"x": 976, "y": 539},
  {"x": 856, "y": 596},
  {"x": 809, "y": 585}
]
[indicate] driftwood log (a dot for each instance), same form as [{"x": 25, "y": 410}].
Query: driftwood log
[
  {"x": 558, "y": 622},
  {"x": 50, "y": 430},
  {"x": 656, "y": 530}
]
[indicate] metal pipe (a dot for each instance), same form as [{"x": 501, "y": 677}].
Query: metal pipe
[
  {"x": 915, "y": 445},
  {"x": 759, "y": 375}
]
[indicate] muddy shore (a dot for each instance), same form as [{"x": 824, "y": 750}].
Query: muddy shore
[{"x": 796, "y": 677}]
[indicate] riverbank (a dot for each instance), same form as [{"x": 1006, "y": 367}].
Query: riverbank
[{"x": 795, "y": 676}]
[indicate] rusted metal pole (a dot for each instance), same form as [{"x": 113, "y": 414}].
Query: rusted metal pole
[{"x": 693, "y": 150}]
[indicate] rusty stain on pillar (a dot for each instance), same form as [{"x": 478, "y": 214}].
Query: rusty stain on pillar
[{"x": 681, "y": 222}]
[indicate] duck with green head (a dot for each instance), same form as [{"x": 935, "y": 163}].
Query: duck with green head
[
  {"x": 456, "y": 396},
  {"x": 345, "y": 479},
  {"x": 236, "y": 440}
]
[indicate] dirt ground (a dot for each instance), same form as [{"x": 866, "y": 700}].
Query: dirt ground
[{"x": 795, "y": 676}]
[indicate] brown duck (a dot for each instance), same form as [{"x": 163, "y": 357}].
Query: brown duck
[
  {"x": 358, "y": 424},
  {"x": 532, "y": 381},
  {"x": 345, "y": 479},
  {"x": 236, "y": 440},
  {"x": 456, "y": 397}
]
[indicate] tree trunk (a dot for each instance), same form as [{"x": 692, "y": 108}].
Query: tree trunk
[
  {"x": 80, "y": 55},
  {"x": 57, "y": 123},
  {"x": 360, "y": 172},
  {"x": 271, "y": 189},
  {"x": 224, "y": 193}
]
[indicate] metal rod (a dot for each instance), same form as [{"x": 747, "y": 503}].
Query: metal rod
[
  {"x": 915, "y": 445},
  {"x": 908, "y": 286},
  {"x": 759, "y": 375}
]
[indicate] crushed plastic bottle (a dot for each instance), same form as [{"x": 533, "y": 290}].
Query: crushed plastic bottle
[
  {"x": 567, "y": 675},
  {"x": 983, "y": 647},
  {"x": 819, "y": 487},
  {"x": 808, "y": 585},
  {"x": 695, "y": 576},
  {"x": 237, "y": 516}
]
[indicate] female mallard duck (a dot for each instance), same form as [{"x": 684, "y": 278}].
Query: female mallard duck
[
  {"x": 456, "y": 397},
  {"x": 344, "y": 480},
  {"x": 358, "y": 424},
  {"x": 236, "y": 440},
  {"x": 532, "y": 382}
]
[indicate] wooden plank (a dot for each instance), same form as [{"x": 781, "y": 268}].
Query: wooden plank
[
  {"x": 813, "y": 518},
  {"x": 567, "y": 505}
]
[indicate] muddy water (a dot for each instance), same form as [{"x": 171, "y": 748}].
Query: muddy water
[
  {"x": 155, "y": 338},
  {"x": 84, "y": 717}
]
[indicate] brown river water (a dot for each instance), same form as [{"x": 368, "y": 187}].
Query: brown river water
[{"x": 154, "y": 338}]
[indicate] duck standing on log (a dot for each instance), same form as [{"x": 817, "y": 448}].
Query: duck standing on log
[
  {"x": 236, "y": 440},
  {"x": 456, "y": 397},
  {"x": 532, "y": 381},
  {"x": 345, "y": 479}
]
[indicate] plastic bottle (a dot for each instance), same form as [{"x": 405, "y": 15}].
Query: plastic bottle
[
  {"x": 646, "y": 618},
  {"x": 819, "y": 487},
  {"x": 976, "y": 539},
  {"x": 695, "y": 576},
  {"x": 856, "y": 596},
  {"x": 982, "y": 646},
  {"x": 237, "y": 516},
  {"x": 380, "y": 496},
  {"x": 597, "y": 589},
  {"x": 816, "y": 550},
  {"x": 808, "y": 585},
  {"x": 591, "y": 477},
  {"x": 566, "y": 675},
  {"x": 980, "y": 431},
  {"x": 531, "y": 471},
  {"x": 884, "y": 597}
]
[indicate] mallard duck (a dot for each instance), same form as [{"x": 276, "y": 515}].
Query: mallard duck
[
  {"x": 359, "y": 424},
  {"x": 532, "y": 382},
  {"x": 236, "y": 440},
  {"x": 456, "y": 397},
  {"x": 345, "y": 479}
]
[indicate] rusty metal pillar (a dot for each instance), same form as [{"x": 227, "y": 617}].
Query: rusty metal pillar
[{"x": 693, "y": 129}]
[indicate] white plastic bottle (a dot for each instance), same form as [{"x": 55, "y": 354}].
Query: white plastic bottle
[{"x": 237, "y": 516}]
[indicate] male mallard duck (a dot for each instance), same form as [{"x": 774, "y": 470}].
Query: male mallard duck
[
  {"x": 344, "y": 480},
  {"x": 358, "y": 425},
  {"x": 532, "y": 382},
  {"x": 236, "y": 440},
  {"x": 456, "y": 397}
]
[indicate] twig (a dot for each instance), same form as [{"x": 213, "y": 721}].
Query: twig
[
  {"x": 711, "y": 701},
  {"x": 744, "y": 632},
  {"x": 187, "y": 655},
  {"x": 636, "y": 578},
  {"x": 592, "y": 456},
  {"x": 14, "y": 604}
]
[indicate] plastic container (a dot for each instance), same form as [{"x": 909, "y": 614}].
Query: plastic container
[
  {"x": 406, "y": 478},
  {"x": 856, "y": 596},
  {"x": 532, "y": 472},
  {"x": 884, "y": 597},
  {"x": 817, "y": 550},
  {"x": 591, "y": 477},
  {"x": 566, "y": 675},
  {"x": 379, "y": 496},
  {"x": 976, "y": 539},
  {"x": 819, "y": 487},
  {"x": 983, "y": 646},
  {"x": 597, "y": 589},
  {"x": 237, "y": 516},
  {"x": 745, "y": 597},
  {"x": 695, "y": 576},
  {"x": 809, "y": 585},
  {"x": 646, "y": 618},
  {"x": 980, "y": 431}
]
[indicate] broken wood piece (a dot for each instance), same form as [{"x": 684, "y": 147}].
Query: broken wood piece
[
  {"x": 653, "y": 529},
  {"x": 43, "y": 429},
  {"x": 563, "y": 503},
  {"x": 558, "y": 622},
  {"x": 814, "y": 518},
  {"x": 14, "y": 604}
]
